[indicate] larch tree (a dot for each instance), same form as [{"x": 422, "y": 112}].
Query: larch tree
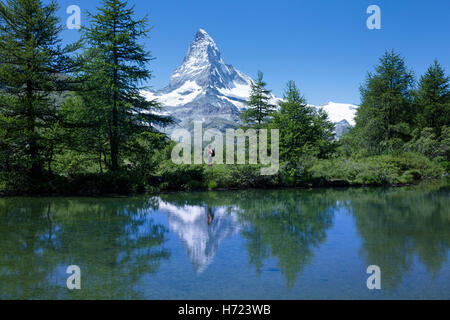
[
  {"x": 385, "y": 118},
  {"x": 259, "y": 106},
  {"x": 35, "y": 70},
  {"x": 115, "y": 73},
  {"x": 433, "y": 99},
  {"x": 303, "y": 130}
]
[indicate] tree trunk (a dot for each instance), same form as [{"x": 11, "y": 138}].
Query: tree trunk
[
  {"x": 36, "y": 166},
  {"x": 114, "y": 141}
]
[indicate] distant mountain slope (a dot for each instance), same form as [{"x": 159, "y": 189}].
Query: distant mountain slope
[
  {"x": 342, "y": 115},
  {"x": 340, "y": 111},
  {"x": 205, "y": 88}
]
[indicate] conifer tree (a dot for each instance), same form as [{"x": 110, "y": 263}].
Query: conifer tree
[
  {"x": 34, "y": 71},
  {"x": 433, "y": 99},
  {"x": 259, "y": 106},
  {"x": 303, "y": 130},
  {"x": 385, "y": 117},
  {"x": 114, "y": 73}
]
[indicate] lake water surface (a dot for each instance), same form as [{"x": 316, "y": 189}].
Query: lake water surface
[{"x": 254, "y": 244}]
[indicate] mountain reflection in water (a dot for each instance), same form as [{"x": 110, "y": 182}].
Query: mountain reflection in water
[
  {"x": 200, "y": 237},
  {"x": 253, "y": 244}
]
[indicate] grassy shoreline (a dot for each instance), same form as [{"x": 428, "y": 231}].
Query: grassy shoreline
[
  {"x": 281, "y": 187},
  {"x": 386, "y": 170}
]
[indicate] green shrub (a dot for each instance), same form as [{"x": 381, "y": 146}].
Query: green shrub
[
  {"x": 369, "y": 178},
  {"x": 377, "y": 170},
  {"x": 212, "y": 185},
  {"x": 179, "y": 177},
  {"x": 121, "y": 182}
]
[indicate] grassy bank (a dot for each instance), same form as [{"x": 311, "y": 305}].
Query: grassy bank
[
  {"x": 371, "y": 171},
  {"x": 381, "y": 170}
]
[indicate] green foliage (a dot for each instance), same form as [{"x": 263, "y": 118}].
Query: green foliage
[
  {"x": 115, "y": 66},
  {"x": 433, "y": 99},
  {"x": 376, "y": 170},
  {"x": 384, "y": 119},
  {"x": 212, "y": 185},
  {"x": 79, "y": 125},
  {"x": 259, "y": 107},
  {"x": 180, "y": 177},
  {"x": 71, "y": 163},
  {"x": 395, "y": 118},
  {"x": 34, "y": 72},
  {"x": 425, "y": 142},
  {"x": 120, "y": 182},
  {"x": 302, "y": 129}
]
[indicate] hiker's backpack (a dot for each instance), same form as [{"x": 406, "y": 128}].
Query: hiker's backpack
[{"x": 213, "y": 153}]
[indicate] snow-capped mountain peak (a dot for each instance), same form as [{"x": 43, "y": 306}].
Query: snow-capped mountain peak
[
  {"x": 205, "y": 88},
  {"x": 204, "y": 65},
  {"x": 202, "y": 54}
]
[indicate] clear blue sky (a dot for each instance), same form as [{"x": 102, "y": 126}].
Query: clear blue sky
[{"x": 324, "y": 45}]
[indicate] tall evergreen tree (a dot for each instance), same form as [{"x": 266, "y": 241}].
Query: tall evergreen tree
[
  {"x": 433, "y": 99},
  {"x": 259, "y": 106},
  {"x": 115, "y": 70},
  {"x": 302, "y": 129},
  {"x": 34, "y": 69},
  {"x": 384, "y": 119}
]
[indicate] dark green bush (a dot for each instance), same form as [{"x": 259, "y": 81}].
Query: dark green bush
[{"x": 377, "y": 170}]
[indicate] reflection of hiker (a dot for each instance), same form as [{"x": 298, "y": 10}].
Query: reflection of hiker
[
  {"x": 210, "y": 216},
  {"x": 211, "y": 155}
]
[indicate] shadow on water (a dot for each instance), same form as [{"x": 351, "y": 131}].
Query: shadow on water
[{"x": 114, "y": 242}]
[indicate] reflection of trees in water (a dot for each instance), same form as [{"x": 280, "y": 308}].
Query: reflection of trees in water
[
  {"x": 114, "y": 242},
  {"x": 395, "y": 225},
  {"x": 398, "y": 224},
  {"x": 25, "y": 251},
  {"x": 288, "y": 226}
]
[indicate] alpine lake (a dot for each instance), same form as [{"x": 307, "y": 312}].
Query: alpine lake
[{"x": 246, "y": 244}]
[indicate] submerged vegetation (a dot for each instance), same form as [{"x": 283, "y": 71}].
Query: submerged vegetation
[{"x": 72, "y": 120}]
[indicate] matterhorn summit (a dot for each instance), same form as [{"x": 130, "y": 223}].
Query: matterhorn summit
[
  {"x": 203, "y": 65},
  {"x": 205, "y": 88}
]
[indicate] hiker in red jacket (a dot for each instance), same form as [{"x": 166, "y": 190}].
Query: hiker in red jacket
[{"x": 211, "y": 155}]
